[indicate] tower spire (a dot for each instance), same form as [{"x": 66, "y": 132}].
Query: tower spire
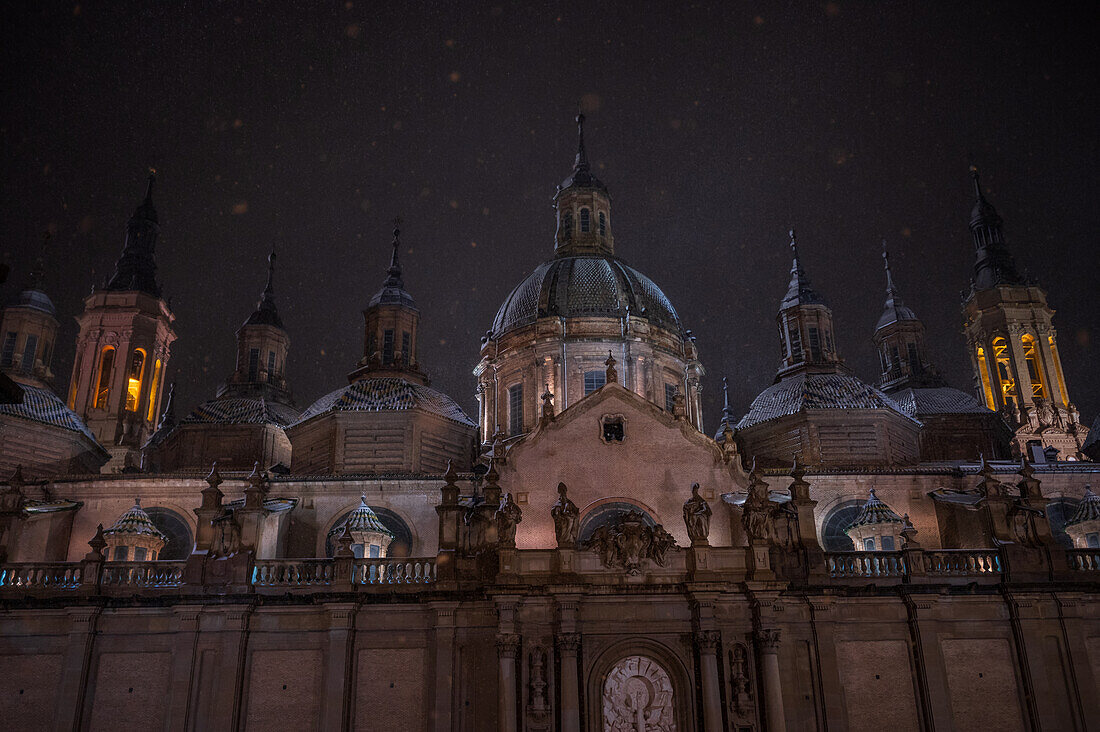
[
  {"x": 798, "y": 291},
  {"x": 266, "y": 312},
  {"x": 136, "y": 268},
  {"x": 891, "y": 291},
  {"x": 994, "y": 265}
]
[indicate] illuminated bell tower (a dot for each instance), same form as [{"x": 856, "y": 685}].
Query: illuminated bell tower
[
  {"x": 1013, "y": 345},
  {"x": 123, "y": 346}
]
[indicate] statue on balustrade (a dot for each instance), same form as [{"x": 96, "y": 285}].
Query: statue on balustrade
[
  {"x": 755, "y": 512},
  {"x": 697, "y": 517},
  {"x": 507, "y": 516},
  {"x": 565, "y": 514}
]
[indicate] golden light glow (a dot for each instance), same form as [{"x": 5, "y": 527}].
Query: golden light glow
[
  {"x": 153, "y": 391},
  {"x": 1058, "y": 370},
  {"x": 1034, "y": 368},
  {"x": 103, "y": 381},
  {"x": 1004, "y": 370},
  {"x": 133, "y": 379},
  {"x": 983, "y": 371}
]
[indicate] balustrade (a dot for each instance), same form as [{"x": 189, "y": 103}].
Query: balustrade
[
  {"x": 393, "y": 571},
  {"x": 957, "y": 562},
  {"x": 41, "y": 576},
  {"x": 292, "y": 572},
  {"x": 163, "y": 574},
  {"x": 865, "y": 564},
  {"x": 1084, "y": 560}
]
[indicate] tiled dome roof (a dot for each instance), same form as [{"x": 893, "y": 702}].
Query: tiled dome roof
[
  {"x": 33, "y": 298},
  {"x": 816, "y": 391},
  {"x": 387, "y": 394},
  {"x": 241, "y": 410},
  {"x": 135, "y": 522},
  {"x": 43, "y": 406},
  {"x": 361, "y": 519},
  {"x": 591, "y": 285},
  {"x": 917, "y": 402},
  {"x": 875, "y": 512},
  {"x": 1087, "y": 510}
]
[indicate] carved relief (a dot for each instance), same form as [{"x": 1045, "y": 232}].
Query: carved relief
[
  {"x": 740, "y": 680},
  {"x": 624, "y": 543},
  {"x": 638, "y": 697}
]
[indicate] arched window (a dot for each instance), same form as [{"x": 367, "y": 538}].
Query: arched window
[
  {"x": 133, "y": 379},
  {"x": 180, "y": 542},
  {"x": 103, "y": 382},
  {"x": 593, "y": 380},
  {"x": 401, "y": 546},
  {"x": 983, "y": 375},
  {"x": 1003, "y": 367},
  {"x": 607, "y": 513},
  {"x": 833, "y": 538},
  {"x": 586, "y": 223},
  {"x": 603, "y": 224},
  {"x": 1059, "y": 511},
  {"x": 1058, "y": 369},
  {"x": 153, "y": 386},
  {"x": 1034, "y": 369},
  {"x": 515, "y": 409}
]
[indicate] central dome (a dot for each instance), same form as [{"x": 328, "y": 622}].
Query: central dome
[{"x": 593, "y": 285}]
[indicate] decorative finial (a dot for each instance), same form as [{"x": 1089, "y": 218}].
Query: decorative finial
[
  {"x": 794, "y": 247},
  {"x": 137, "y": 502},
  {"x": 977, "y": 182},
  {"x": 725, "y": 395},
  {"x": 393, "y": 278},
  {"x": 363, "y": 500},
  {"x": 270, "y": 271},
  {"x": 890, "y": 290},
  {"x": 581, "y": 162},
  {"x": 611, "y": 376},
  {"x": 152, "y": 180}
]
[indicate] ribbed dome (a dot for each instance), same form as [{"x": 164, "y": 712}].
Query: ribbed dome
[
  {"x": 1087, "y": 510},
  {"x": 243, "y": 410},
  {"x": 875, "y": 512},
  {"x": 584, "y": 285},
  {"x": 135, "y": 522},
  {"x": 387, "y": 394},
  {"x": 362, "y": 519}
]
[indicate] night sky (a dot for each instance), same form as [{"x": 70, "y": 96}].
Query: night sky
[{"x": 715, "y": 129}]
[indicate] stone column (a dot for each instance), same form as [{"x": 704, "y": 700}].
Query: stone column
[
  {"x": 767, "y": 640},
  {"x": 507, "y": 646},
  {"x": 339, "y": 666},
  {"x": 707, "y": 640},
  {"x": 570, "y": 712},
  {"x": 443, "y": 689}
]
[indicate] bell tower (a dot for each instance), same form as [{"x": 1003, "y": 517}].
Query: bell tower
[
  {"x": 583, "y": 208},
  {"x": 805, "y": 325},
  {"x": 123, "y": 345},
  {"x": 1013, "y": 345}
]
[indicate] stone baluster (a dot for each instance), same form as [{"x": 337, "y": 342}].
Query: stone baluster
[
  {"x": 767, "y": 640},
  {"x": 707, "y": 641},
  {"x": 507, "y": 647}
]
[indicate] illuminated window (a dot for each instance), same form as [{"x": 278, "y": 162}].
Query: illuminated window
[
  {"x": 153, "y": 387},
  {"x": 603, "y": 224},
  {"x": 594, "y": 380},
  {"x": 1034, "y": 369},
  {"x": 1003, "y": 367},
  {"x": 1058, "y": 369},
  {"x": 103, "y": 382},
  {"x": 983, "y": 374},
  {"x": 133, "y": 380},
  {"x": 515, "y": 409}
]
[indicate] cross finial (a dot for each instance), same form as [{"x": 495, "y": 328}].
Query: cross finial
[{"x": 581, "y": 162}]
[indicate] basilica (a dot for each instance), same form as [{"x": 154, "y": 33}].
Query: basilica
[{"x": 855, "y": 552}]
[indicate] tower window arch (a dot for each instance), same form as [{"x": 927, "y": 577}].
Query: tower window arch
[
  {"x": 515, "y": 409},
  {"x": 983, "y": 375},
  {"x": 586, "y": 221},
  {"x": 133, "y": 379},
  {"x": 1034, "y": 368},
  {"x": 1003, "y": 368},
  {"x": 154, "y": 385},
  {"x": 602, "y": 218},
  {"x": 103, "y": 381}
]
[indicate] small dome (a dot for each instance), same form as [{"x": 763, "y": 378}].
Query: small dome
[
  {"x": 135, "y": 522},
  {"x": 362, "y": 519},
  {"x": 241, "y": 410},
  {"x": 1087, "y": 510},
  {"x": 580, "y": 286},
  {"x": 875, "y": 512},
  {"x": 392, "y": 295},
  {"x": 816, "y": 391},
  {"x": 895, "y": 312},
  {"x": 33, "y": 299},
  {"x": 387, "y": 394}
]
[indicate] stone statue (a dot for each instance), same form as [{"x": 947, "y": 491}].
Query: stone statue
[
  {"x": 507, "y": 516},
  {"x": 754, "y": 512},
  {"x": 697, "y": 517},
  {"x": 1046, "y": 413},
  {"x": 565, "y": 516}
]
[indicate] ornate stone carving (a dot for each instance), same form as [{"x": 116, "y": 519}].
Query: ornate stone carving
[
  {"x": 565, "y": 516},
  {"x": 697, "y": 517},
  {"x": 625, "y": 543},
  {"x": 507, "y": 645},
  {"x": 638, "y": 697},
  {"x": 538, "y": 680},
  {"x": 708, "y": 640},
  {"x": 507, "y": 516},
  {"x": 768, "y": 640},
  {"x": 754, "y": 512},
  {"x": 740, "y": 680},
  {"x": 227, "y": 536},
  {"x": 568, "y": 642}
]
